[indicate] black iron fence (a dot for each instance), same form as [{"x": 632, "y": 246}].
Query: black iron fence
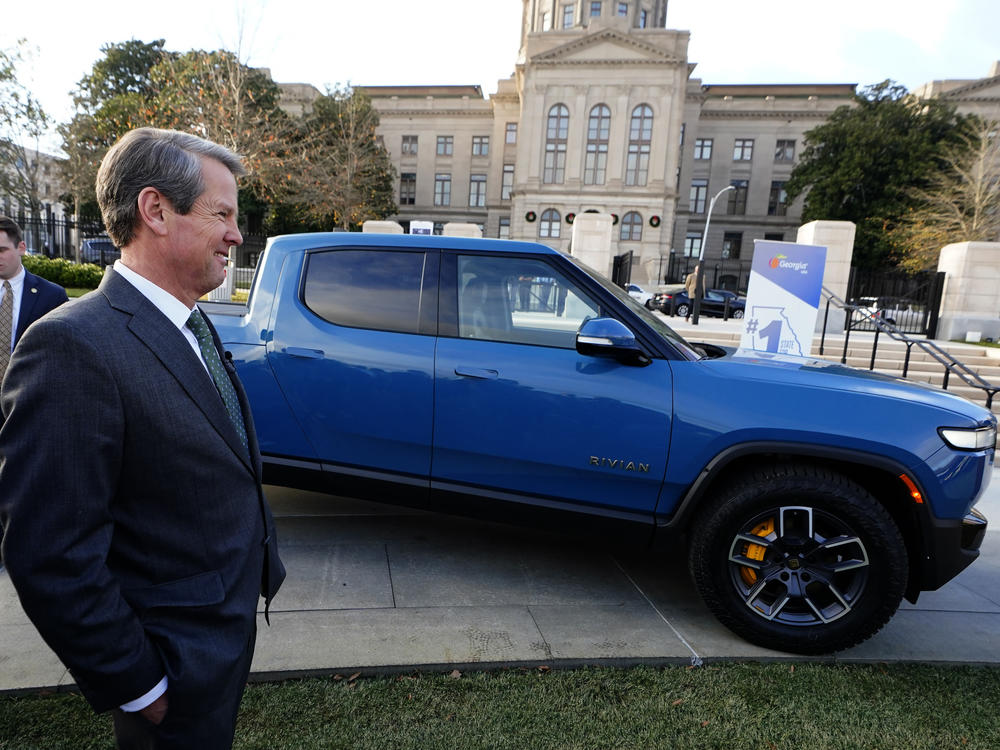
[
  {"x": 55, "y": 237},
  {"x": 59, "y": 237},
  {"x": 910, "y": 302},
  {"x": 729, "y": 274}
]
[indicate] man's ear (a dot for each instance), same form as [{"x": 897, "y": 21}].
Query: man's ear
[{"x": 152, "y": 209}]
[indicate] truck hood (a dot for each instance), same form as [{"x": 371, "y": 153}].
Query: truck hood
[{"x": 821, "y": 373}]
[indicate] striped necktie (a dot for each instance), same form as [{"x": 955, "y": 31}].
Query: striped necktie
[{"x": 218, "y": 372}]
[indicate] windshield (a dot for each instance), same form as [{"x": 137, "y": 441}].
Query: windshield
[{"x": 654, "y": 321}]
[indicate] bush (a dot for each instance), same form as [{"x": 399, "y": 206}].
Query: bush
[{"x": 65, "y": 272}]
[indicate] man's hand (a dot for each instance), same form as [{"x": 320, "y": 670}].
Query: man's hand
[{"x": 156, "y": 711}]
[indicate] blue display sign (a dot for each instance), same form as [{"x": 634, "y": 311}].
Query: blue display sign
[{"x": 786, "y": 280}]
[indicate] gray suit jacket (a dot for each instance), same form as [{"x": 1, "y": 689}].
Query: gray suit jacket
[{"x": 136, "y": 532}]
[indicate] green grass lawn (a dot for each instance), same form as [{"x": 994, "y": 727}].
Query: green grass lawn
[{"x": 767, "y": 706}]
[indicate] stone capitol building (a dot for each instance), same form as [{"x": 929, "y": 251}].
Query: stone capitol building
[{"x": 602, "y": 114}]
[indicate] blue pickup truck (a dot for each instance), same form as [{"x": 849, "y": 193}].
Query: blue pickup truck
[{"x": 507, "y": 380}]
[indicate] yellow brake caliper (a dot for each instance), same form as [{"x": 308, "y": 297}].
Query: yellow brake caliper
[{"x": 756, "y": 551}]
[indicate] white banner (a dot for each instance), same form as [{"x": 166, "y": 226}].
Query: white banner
[{"x": 786, "y": 280}]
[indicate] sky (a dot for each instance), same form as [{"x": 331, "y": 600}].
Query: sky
[{"x": 381, "y": 42}]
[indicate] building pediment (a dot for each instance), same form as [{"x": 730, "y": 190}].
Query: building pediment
[{"x": 607, "y": 46}]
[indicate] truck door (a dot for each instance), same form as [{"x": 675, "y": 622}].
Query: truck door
[
  {"x": 353, "y": 352},
  {"x": 517, "y": 409}
]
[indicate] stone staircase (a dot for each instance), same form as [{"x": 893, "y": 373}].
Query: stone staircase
[{"x": 984, "y": 361}]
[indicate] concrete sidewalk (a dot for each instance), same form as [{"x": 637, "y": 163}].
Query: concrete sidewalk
[{"x": 371, "y": 587}]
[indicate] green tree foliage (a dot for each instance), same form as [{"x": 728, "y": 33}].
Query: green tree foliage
[
  {"x": 961, "y": 202},
  {"x": 116, "y": 96},
  {"x": 307, "y": 172},
  {"x": 23, "y": 123},
  {"x": 348, "y": 177},
  {"x": 863, "y": 163}
]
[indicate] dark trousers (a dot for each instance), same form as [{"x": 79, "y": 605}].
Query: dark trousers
[{"x": 208, "y": 727}]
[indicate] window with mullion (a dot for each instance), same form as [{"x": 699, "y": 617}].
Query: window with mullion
[
  {"x": 442, "y": 190},
  {"x": 557, "y": 129},
  {"x": 477, "y": 190},
  {"x": 738, "y": 197},
  {"x": 507, "y": 182},
  {"x": 639, "y": 140},
  {"x": 598, "y": 129},
  {"x": 631, "y": 230}
]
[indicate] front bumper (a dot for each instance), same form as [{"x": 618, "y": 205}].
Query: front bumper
[{"x": 952, "y": 545}]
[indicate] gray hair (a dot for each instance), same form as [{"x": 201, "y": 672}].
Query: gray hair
[{"x": 167, "y": 160}]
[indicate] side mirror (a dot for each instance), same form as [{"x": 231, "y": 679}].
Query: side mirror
[{"x": 607, "y": 337}]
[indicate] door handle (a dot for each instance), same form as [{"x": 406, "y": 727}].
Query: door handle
[
  {"x": 477, "y": 372},
  {"x": 298, "y": 351}
]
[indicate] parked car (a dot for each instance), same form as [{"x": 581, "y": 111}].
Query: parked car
[
  {"x": 712, "y": 304},
  {"x": 639, "y": 294},
  {"x": 99, "y": 250},
  {"x": 408, "y": 369},
  {"x": 663, "y": 295}
]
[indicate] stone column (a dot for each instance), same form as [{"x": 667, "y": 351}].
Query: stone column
[
  {"x": 838, "y": 239},
  {"x": 382, "y": 227},
  {"x": 460, "y": 229},
  {"x": 591, "y": 241},
  {"x": 971, "y": 299}
]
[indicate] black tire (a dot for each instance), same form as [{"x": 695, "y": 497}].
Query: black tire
[
  {"x": 737, "y": 314},
  {"x": 682, "y": 309},
  {"x": 828, "y": 573}
]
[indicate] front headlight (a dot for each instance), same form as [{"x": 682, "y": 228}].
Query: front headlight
[{"x": 969, "y": 439}]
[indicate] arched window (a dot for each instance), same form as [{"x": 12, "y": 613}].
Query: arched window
[
  {"x": 597, "y": 145},
  {"x": 555, "y": 145},
  {"x": 631, "y": 230},
  {"x": 548, "y": 226},
  {"x": 640, "y": 135}
]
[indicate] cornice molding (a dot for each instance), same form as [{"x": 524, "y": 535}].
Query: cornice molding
[
  {"x": 763, "y": 114},
  {"x": 432, "y": 113},
  {"x": 982, "y": 83},
  {"x": 556, "y": 56}
]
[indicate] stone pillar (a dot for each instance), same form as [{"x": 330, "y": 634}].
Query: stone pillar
[
  {"x": 838, "y": 239},
  {"x": 591, "y": 241},
  {"x": 382, "y": 227},
  {"x": 459, "y": 229},
  {"x": 971, "y": 299}
]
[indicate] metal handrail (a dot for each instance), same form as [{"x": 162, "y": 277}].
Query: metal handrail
[{"x": 942, "y": 357}]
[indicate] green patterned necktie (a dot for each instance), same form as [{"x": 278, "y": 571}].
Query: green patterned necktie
[
  {"x": 6, "y": 326},
  {"x": 218, "y": 372}
]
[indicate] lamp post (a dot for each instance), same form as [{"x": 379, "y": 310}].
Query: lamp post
[{"x": 700, "y": 282}]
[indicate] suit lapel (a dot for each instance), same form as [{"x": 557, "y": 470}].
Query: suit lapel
[
  {"x": 157, "y": 333},
  {"x": 29, "y": 297}
]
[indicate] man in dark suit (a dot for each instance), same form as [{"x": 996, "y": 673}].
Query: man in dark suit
[
  {"x": 137, "y": 534},
  {"x": 24, "y": 297}
]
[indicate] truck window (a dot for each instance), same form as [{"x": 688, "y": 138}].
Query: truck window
[
  {"x": 519, "y": 300},
  {"x": 378, "y": 289}
]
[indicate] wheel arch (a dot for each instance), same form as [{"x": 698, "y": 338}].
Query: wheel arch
[{"x": 879, "y": 475}]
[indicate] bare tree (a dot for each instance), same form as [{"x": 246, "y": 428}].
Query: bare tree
[
  {"x": 23, "y": 123},
  {"x": 961, "y": 202},
  {"x": 348, "y": 175}
]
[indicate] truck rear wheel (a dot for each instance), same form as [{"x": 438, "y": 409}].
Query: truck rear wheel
[{"x": 798, "y": 558}]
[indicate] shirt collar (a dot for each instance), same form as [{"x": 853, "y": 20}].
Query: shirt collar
[
  {"x": 175, "y": 310},
  {"x": 17, "y": 281}
]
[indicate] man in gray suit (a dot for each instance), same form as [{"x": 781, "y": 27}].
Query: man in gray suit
[{"x": 136, "y": 531}]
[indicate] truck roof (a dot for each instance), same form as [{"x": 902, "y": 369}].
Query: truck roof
[{"x": 363, "y": 239}]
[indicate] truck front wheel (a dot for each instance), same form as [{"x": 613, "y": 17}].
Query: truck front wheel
[{"x": 798, "y": 558}]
